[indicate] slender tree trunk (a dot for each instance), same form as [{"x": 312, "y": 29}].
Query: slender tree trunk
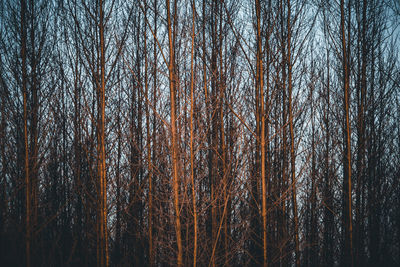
[
  {"x": 192, "y": 106},
  {"x": 174, "y": 141},
  {"x": 257, "y": 242},
  {"x": 208, "y": 105},
  {"x": 292, "y": 148},
  {"x": 361, "y": 95},
  {"x": 78, "y": 170},
  {"x": 314, "y": 224},
  {"x": 222, "y": 145},
  {"x": 33, "y": 156},
  {"x": 373, "y": 206},
  {"x": 285, "y": 230},
  {"x": 348, "y": 229},
  {"x": 103, "y": 257},
  {"x": 260, "y": 88},
  {"x": 118, "y": 227},
  {"x": 26, "y": 142},
  {"x": 328, "y": 216},
  {"x": 149, "y": 158},
  {"x": 151, "y": 190},
  {"x": 214, "y": 162}
]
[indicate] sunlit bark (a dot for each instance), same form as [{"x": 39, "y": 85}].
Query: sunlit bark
[
  {"x": 174, "y": 137},
  {"x": 347, "y": 204}
]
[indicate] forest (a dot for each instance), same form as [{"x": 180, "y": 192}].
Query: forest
[{"x": 200, "y": 133}]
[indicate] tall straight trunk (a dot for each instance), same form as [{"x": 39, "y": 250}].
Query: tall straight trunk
[
  {"x": 78, "y": 172},
  {"x": 313, "y": 228},
  {"x": 102, "y": 219},
  {"x": 174, "y": 141},
  {"x": 192, "y": 106},
  {"x": 214, "y": 165},
  {"x": 266, "y": 111},
  {"x": 153, "y": 136},
  {"x": 373, "y": 222},
  {"x": 118, "y": 184},
  {"x": 137, "y": 131},
  {"x": 149, "y": 158},
  {"x": 284, "y": 248},
  {"x": 268, "y": 129},
  {"x": 260, "y": 89},
  {"x": 292, "y": 154},
  {"x": 26, "y": 141},
  {"x": 222, "y": 145},
  {"x": 257, "y": 242},
  {"x": 328, "y": 216},
  {"x": 347, "y": 210},
  {"x": 33, "y": 157},
  {"x": 208, "y": 105},
  {"x": 361, "y": 95},
  {"x": 214, "y": 131}
]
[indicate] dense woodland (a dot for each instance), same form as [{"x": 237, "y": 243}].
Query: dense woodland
[{"x": 199, "y": 133}]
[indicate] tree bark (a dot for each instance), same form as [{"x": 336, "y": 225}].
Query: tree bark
[
  {"x": 292, "y": 147},
  {"x": 192, "y": 106},
  {"x": 347, "y": 210},
  {"x": 102, "y": 220},
  {"x": 26, "y": 141},
  {"x": 174, "y": 141},
  {"x": 261, "y": 141}
]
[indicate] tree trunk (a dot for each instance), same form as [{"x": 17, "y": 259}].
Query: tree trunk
[
  {"x": 292, "y": 147},
  {"x": 174, "y": 141},
  {"x": 192, "y": 106},
  {"x": 26, "y": 142},
  {"x": 261, "y": 139},
  {"x": 347, "y": 210},
  {"x": 102, "y": 219}
]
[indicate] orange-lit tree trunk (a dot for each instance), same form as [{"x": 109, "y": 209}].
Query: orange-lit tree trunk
[
  {"x": 214, "y": 133},
  {"x": 26, "y": 142},
  {"x": 192, "y": 105},
  {"x": 102, "y": 189},
  {"x": 174, "y": 141},
  {"x": 153, "y": 137},
  {"x": 261, "y": 138},
  {"x": 222, "y": 145},
  {"x": 347, "y": 202}
]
